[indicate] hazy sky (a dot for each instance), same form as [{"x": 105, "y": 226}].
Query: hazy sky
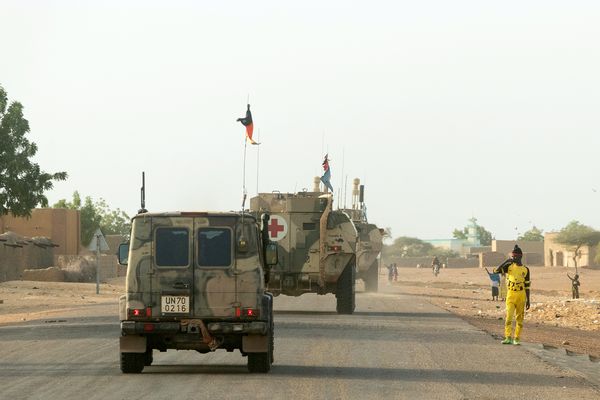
[{"x": 445, "y": 109}]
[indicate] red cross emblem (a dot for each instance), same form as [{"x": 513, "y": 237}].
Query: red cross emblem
[{"x": 277, "y": 228}]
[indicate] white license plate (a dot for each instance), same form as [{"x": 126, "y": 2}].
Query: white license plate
[{"x": 175, "y": 304}]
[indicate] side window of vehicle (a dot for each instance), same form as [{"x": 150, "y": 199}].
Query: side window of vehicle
[
  {"x": 214, "y": 247},
  {"x": 172, "y": 247}
]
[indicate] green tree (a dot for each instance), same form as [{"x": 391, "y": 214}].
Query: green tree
[
  {"x": 114, "y": 222},
  {"x": 485, "y": 236},
  {"x": 406, "y": 246},
  {"x": 534, "y": 235},
  {"x": 22, "y": 182},
  {"x": 576, "y": 235},
  {"x": 458, "y": 234},
  {"x": 94, "y": 215}
]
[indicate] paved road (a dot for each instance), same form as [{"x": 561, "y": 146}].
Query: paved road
[{"x": 394, "y": 346}]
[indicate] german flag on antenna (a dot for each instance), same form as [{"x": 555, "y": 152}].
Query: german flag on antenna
[
  {"x": 326, "y": 178},
  {"x": 247, "y": 122}
]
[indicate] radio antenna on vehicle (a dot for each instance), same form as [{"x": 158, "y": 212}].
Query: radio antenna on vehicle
[{"x": 143, "y": 195}]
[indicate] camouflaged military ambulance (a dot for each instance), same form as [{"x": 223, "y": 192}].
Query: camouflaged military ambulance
[
  {"x": 316, "y": 246},
  {"x": 196, "y": 281},
  {"x": 370, "y": 240}
]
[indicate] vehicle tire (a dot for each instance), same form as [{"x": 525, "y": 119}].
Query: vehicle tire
[
  {"x": 148, "y": 357},
  {"x": 372, "y": 278},
  {"x": 132, "y": 363},
  {"x": 345, "y": 291},
  {"x": 261, "y": 362}
]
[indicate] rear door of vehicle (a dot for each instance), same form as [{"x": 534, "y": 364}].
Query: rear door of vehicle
[
  {"x": 172, "y": 282},
  {"x": 214, "y": 267}
]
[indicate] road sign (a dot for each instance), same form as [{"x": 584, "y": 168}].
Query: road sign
[{"x": 98, "y": 240}]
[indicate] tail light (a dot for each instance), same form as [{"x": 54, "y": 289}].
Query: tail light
[
  {"x": 251, "y": 312},
  {"x": 335, "y": 249},
  {"x": 247, "y": 312},
  {"x": 140, "y": 312}
]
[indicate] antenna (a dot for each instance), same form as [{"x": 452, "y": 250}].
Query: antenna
[
  {"x": 257, "y": 162},
  {"x": 345, "y": 191},
  {"x": 143, "y": 195},
  {"x": 244, "y": 192},
  {"x": 342, "y": 184}
]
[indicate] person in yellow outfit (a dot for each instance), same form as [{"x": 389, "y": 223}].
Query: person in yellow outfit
[{"x": 517, "y": 298}]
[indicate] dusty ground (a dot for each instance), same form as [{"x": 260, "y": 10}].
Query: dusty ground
[
  {"x": 22, "y": 301},
  {"x": 553, "y": 319}
]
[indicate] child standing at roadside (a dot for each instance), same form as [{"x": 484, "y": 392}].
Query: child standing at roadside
[{"x": 495, "y": 282}]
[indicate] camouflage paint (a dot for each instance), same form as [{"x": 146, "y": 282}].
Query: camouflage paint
[
  {"x": 214, "y": 292},
  {"x": 300, "y": 255},
  {"x": 368, "y": 248}
]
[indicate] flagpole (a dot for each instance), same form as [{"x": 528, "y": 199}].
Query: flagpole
[
  {"x": 257, "y": 161},
  {"x": 244, "y": 175},
  {"x": 342, "y": 179}
]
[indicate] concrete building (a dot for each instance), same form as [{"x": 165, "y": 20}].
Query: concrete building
[
  {"x": 460, "y": 246},
  {"x": 62, "y": 226},
  {"x": 506, "y": 246},
  {"x": 558, "y": 255}
]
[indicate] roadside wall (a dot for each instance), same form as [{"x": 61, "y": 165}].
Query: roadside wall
[
  {"x": 86, "y": 266},
  {"x": 494, "y": 258},
  {"x": 51, "y": 274},
  {"x": 425, "y": 262},
  {"x": 491, "y": 259},
  {"x": 58, "y": 224},
  {"x": 506, "y": 246},
  {"x": 14, "y": 260}
]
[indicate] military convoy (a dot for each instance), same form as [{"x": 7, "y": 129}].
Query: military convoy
[
  {"x": 196, "y": 281},
  {"x": 205, "y": 280}
]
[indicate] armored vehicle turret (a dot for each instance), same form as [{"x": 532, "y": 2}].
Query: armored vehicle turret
[
  {"x": 370, "y": 240},
  {"x": 196, "y": 281},
  {"x": 316, "y": 245}
]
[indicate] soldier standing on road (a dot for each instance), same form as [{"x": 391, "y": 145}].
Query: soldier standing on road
[
  {"x": 395, "y": 272},
  {"x": 574, "y": 285},
  {"x": 517, "y": 298}
]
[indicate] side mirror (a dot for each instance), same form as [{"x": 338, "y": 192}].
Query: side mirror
[
  {"x": 123, "y": 253},
  {"x": 271, "y": 254}
]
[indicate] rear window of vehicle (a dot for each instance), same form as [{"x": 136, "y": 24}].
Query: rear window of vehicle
[
  {"x": 214, "y": 247},
  {"x": 172, "y": 247}
]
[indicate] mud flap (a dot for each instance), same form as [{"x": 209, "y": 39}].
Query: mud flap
[
  {"x": 132, "y": 344},
  {"x": 255, "y": 344}
]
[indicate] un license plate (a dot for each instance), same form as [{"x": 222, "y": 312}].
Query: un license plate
[{"x": 175, "y": 304}]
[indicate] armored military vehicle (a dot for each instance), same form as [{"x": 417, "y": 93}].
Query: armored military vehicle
[
  {"x": 316, "y": 245},
  {"x": 196, "y": 281},
  {"x": 370, "y": 240}
]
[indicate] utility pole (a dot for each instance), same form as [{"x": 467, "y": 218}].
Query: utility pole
[{"x": 97, "y": 264}]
